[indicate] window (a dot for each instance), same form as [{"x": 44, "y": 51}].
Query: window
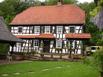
[
  {"x": 37, "y": 29},
  {"x": 72, "y": 29},
  {"x": 36, "y": 42},
  {"x": 59, "y": 43},
  {"x": 47, "y": 29},
  {"x": 93, "y": 48},
  {"x": 59, "y": 29},
  {"x": 20, "y": 29}
]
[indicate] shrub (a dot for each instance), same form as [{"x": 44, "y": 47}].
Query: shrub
[{"x": 98, "y": 57}]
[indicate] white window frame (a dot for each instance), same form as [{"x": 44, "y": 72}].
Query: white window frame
[
  {"x": 37, "y": 29},
  {"x": 47, "y": 29},
  {"x": 59, "y": 30},
  {"x": 59, "y": 43},
  {"x": 35, "y": 42}
]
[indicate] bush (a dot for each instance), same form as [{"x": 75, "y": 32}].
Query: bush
[
  {"x": 88, "y": 60},
  {"x": 98, "y": 57},
  {"x": 4, "y": 48}
]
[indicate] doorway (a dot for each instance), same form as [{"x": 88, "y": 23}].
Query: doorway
[{"x": 46, "y": 47}]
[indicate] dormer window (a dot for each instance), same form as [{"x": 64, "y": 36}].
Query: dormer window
[{"x": 20, "y": 29}]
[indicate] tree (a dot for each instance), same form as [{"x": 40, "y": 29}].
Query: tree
[
  {"x": 54, "y": 2},
  {"x": 8, "y": 9},
  {"x": 98, "y": 58},
  {"x": 89, "y": 26}
]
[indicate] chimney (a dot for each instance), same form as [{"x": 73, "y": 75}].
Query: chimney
[{"x": 60, "y": 2}]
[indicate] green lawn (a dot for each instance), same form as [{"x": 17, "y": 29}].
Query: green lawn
[{"x": 48, "y": 69}]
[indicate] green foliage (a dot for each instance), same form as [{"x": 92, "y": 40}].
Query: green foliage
[
  {"x": 87, "y": 60},
  {"x": 54, "y": 2},
  {"x": 87, "y": 6},
  {"x": 96, "y": 34},
  {"x": 97, "y": 9},
  {"x": 98, "y": 57},
  {"x": 90, "y": 27},
  {"x": 70, "y": 1},
  {"x": 4, "y": 48},
  {"x": 9, "y": 8},
  {"x": 36, "y": 3},
  {"x": 100, "y": 42},
  {"x": 51, "y": 2},
  {"x": 100, "y": 2}
]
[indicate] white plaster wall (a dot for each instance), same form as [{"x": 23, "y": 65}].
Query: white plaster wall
[
  {"x": 26, "y": 29},
  {"x": 76, "y": 29}
]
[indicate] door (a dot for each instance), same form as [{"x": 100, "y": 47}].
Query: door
[{"x": 46, "y": 47}]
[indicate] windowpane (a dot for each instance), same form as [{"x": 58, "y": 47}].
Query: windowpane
[
  {"x": 59, "y": 43},
  {"x": 72, "y": 29},
  {"x": 20, "y": 29},
  {"x": 47, "y": 29},
  {"x": 59, "y": 29},
  {"x": 36, "y": 42},
  {"x": 37, "y": 29}
]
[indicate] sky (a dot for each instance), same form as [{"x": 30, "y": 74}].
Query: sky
[{"x": 81, "y": 1}]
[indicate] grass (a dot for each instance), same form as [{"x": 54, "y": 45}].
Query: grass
[{"x": 48, "y": 69}]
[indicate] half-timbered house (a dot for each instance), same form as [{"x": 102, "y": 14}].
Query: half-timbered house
[{"x": 50, "y": 29}]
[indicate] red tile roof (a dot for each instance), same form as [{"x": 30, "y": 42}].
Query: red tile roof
[
  {"x": 46, "y": 36},
  {"x": 26, "y": 36},
  {"x": 78, "y": 36},
  {"x": 50, "y": 36},
  {"x": 58, "y": 14}
]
